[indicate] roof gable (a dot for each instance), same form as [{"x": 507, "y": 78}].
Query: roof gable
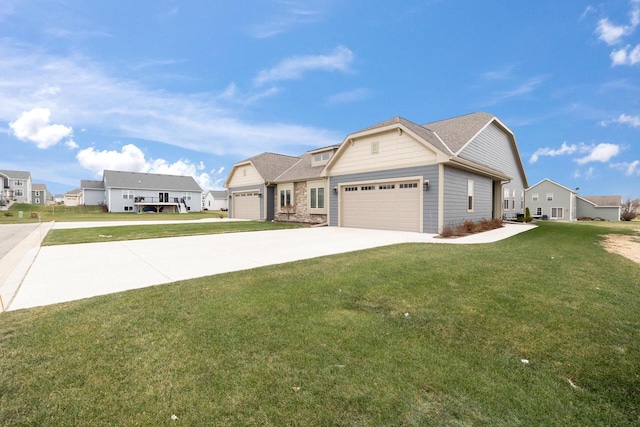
[
  {"x": 16, "y": 174},
  {"x": 611, "y": 201},
  {"x": 552, "y": 182}
]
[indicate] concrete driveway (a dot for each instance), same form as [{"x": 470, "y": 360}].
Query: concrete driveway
[{"x": 72, "y": 272}]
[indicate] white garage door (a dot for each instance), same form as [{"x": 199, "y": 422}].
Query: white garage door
[
  {"x": 383, "y": 206},
  {"x": 246, "y": 205}
]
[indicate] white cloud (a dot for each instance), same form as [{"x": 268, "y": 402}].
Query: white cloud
[
  {"x": 625, "y": 119},
  {"x": 72, "y": 144},
  {"x": 34, "y": 126},
  {"x": 88, "y": 97},
  {"x": 293, "y": 68},
  {"x": 294, "y": 15},
  {"x": 550, "y": 152},
  {"x": 600, "y": 153},
  {"x": 629, "y": 168},
  {"x": 523, "y": 89},
  {"x": 131, "y": 158},
  {"x": 612, "y": 34},
  {"x": 625, "y": 56}
]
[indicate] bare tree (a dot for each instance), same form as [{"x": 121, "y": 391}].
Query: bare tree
[
  {"x": 630, "y": 209},
  {"x": 289, "y": 209}
]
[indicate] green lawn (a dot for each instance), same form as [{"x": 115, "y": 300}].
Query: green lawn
[
  {"x": 89, "y": 213},
  {"x": 152, "y": 231},
  {"x": 413, "y": 334}
]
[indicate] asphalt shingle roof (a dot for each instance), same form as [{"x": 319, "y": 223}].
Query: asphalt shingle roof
[
  {"x": 16, "y": 174},
  {"x": 457, "y": 131},
  {"x": 149, "y": 181},
  {"x": 270, "y": 165},
  {"x": 91, "y": 184},
  {"x": 604, "y": 200}
]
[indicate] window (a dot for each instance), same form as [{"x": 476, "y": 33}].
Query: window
[
  {"x": 368, "y": 188},
  {"x": 409, "y": 185},
  {"x": 549, "y": 197},
  {"x": 316, "y": 198},
  {"x": 538, "y": 211},
  {"x": 285, "y": 197},
  {"x": 17, "y": 193},
  {"x": 186, "y": 196},
  {"x": 37, "y": 201},
  {"x": 37, "y": 194},
  {"x": 522, "y": 200},
  {"x": 351, "y": 189},
  {"x": 17, "y": 182},
  {"x": 557, "y": 213},
  {"x": 127, "y": 194},
  {"x": 387, "y": 187},
  {"x": 470, "y": 195},
  {"x": 322, "y": 157},
  {"x": 534, "y": 197}
]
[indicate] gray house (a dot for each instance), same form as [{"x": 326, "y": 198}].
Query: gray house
[
  {"x": 549, "y": 200},
  {"x": 92, "y": 192},
  {"x": 40, "y": 195},
  {"x": 394, "y": 175},
  {"x": 16, "y": 186},
  {"x": 148, "y": 192}
]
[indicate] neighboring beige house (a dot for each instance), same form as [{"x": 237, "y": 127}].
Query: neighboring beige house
[
  {"x": 73, "y": 198},
  {"x": 395, "y": 175}
]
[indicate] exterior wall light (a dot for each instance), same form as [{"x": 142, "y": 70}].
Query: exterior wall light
[
  {"x": 335, "y": 190},
  {"x": 425, "y": 185}
]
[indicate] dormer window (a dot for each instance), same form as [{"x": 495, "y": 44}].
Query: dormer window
[{"x": 320, "y": 159}]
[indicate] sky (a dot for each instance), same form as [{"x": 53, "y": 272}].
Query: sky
[{"x": 191, "y": 87}]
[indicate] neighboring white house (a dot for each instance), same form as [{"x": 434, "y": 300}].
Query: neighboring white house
[
  {"x": 73, "y": 198},
  {"x": 16, "y": 186},
  {"x": 215, "y": 201}
]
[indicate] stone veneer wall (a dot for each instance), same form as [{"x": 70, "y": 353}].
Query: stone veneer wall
[{"x": 301, "y": 213}]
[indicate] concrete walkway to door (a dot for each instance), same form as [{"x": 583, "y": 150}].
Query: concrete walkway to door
[{"x": 72, "y": 272}]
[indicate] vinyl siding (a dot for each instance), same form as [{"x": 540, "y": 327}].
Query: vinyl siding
[
  {"x": 562, "y": 198},
  {"x": 93, "y": 197},
  {"x": 393, "y": 151},
  {"x": 245, "y": 175},
  {"x": 585, "y": 209},
  {"x": 492, "y": 147},
  {"x": 430, "y": 197},
  {"x": 455, "y": 197}
]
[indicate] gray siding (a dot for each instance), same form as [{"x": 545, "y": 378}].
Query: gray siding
[
  {"x": 455, "y": 197},
  {"x": 585, "y": 209},
  {"x": 492, "y": 147},
  {"x": 259, "y": 187},
  {"x": 430, "y": 200},
  {"x": 93, "y": 197},
  {"x": 562, "y": 198},
  {"x": 117, "y": 203}
]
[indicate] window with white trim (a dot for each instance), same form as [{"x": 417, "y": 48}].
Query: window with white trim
[
  {"x": 522, "y": 200},
  {"x": 17, "y": 192},
  {"x": 549, "y": 197},
  {"x": 37, "y": 194},
  {"x": 534, "y": 197},
  {"x": 470, "y": 192},
  {"x": 37, "y": 202},
  {"x": 17, "y": 182},
  {"x": 285, "y": 195},
  {"x": 505, "y": 199},
  {"x": 375, "y": 147},
  {"x": 538, "y": 211},
  {"x": 186, "y": 196},
  {"x": 127, "y": 194}
]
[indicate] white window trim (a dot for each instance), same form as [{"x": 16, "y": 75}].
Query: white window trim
[
  {"x": 556, "y": 209},
  {"x": 317, "y": 184},
  {"x": 471, "y": 195},
  {"x": 284, "y": 187}
]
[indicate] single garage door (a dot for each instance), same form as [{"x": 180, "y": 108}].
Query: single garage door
[
  {"x": 383, "y": 206},
  {"x": 246, "y": 205}
]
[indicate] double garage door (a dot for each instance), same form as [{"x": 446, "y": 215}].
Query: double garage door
[
  {"x": 382, "y": 206},
  {"x": 246, "y": 205}
]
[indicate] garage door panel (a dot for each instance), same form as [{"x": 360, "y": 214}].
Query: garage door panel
[
  {"x": 385, "y": 206},
  {"x": 246, "y": 205}
]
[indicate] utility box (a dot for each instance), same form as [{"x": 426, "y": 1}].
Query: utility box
[{"x": 20, "y": 214}]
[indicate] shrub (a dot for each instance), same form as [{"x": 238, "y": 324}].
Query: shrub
[
  {"x": 447, "y": 232},
  {"x": 527, "y": 215}
]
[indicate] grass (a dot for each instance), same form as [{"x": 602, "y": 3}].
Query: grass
[
  {"x": 152, "y": 231},
  {"x": 63, "y": 213},
  {"x": 327, "y": 342}
]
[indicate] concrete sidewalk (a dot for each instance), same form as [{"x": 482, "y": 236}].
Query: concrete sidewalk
[{"x": 72, "y": 272}]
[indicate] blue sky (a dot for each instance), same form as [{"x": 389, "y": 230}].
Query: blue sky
[{"x": 191, "y": 87}]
